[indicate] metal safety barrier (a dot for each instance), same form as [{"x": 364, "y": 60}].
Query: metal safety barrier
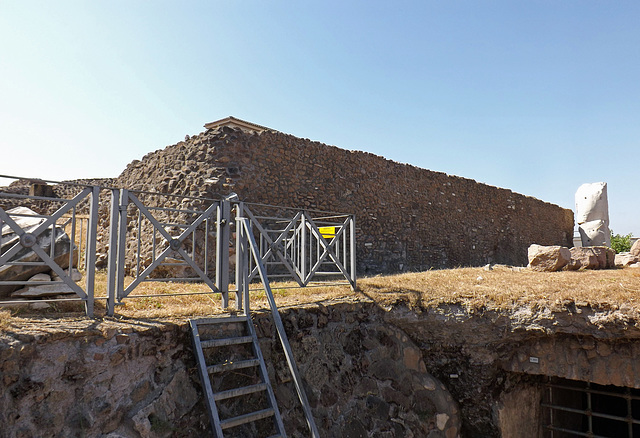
[
  {"x": 161, "y": 237},
  {"x": 35, "y": 242}
]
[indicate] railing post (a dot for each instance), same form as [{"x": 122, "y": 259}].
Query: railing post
[
  {"x": 240, "y": 258},
  {"x": 113, "y": 252},
  {"x": 222, "y": 250},
  {"x": 303, "y": 247},
  {"x": 122, "y": 244},
  {"x": 353, "y": 252},
  {"x": 91, "y": 250}
]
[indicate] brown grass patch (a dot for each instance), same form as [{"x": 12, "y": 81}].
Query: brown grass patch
[{"x": 502, "y": 288}]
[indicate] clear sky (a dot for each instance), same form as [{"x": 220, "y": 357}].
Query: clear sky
[{"x": 535, "y": 96}]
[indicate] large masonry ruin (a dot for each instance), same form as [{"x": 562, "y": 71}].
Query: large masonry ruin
[{"x": 408, "y": 219}]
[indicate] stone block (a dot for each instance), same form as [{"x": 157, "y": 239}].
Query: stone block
[{"x": 548, "y": 258}]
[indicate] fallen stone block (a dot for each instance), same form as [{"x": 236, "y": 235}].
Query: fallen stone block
[
  {"x": 591, "y": 257},
  {"x": 45, "y": 290},
  {"x": 39, "y": 278},
  {"x": 548, "y": 258},
  {"x": 625, "y": 259},
  {"x": 75, "y": 275},
  {"x": 635, "y": 248}
]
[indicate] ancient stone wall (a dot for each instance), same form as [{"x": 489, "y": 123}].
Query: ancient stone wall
[
  {"x": 113, "y": 379},
  {"x": 368, "y": 371},
  {"x": 407, "y": 218}
]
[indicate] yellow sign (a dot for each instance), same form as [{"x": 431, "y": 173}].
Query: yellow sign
[{"x": 327, "y": 232}]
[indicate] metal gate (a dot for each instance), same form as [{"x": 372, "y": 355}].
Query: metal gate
[
  {"x": 36, "y": 243},
  {"x": 162, "y": 237}
]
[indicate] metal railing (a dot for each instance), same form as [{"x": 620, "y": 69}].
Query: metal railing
[
  {"x": 161, "y": 237},
  {"x": 34, "y": 243}
]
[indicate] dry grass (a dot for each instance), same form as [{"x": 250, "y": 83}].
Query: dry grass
[
  {"x": 503, "y": 288},
  {"x": 475, "y": 288}
]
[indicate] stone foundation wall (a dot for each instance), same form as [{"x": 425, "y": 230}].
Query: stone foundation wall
[
  {"x": 138, "y": 379},
  {"x": 368, "y": 371},
  {"x": 407, "y": 218}
]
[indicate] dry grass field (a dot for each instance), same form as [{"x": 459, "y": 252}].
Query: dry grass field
[{"x": 501, "y": 288}]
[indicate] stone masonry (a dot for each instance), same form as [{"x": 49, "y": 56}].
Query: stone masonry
[{"x": 407, "y": 218}]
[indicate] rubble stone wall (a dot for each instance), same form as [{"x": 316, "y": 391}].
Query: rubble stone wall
[
  {"x": 368, "y": 371},
  {"x": 407, "y": 218},
  {"x": 113, "y": 379}
]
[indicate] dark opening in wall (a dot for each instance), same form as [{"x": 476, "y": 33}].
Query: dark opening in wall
[{"x": 572, "y": 408}]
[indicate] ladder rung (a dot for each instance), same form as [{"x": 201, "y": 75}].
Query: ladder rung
[
  {"x": 221, "y": 320},
  {"x": 232, "y": 365},
  {"x": 246, "y": 418},
  {"x": 240, "y": 391},
  {"x": 226, "y": 341}
]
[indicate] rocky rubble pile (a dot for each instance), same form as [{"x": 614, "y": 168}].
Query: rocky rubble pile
[
  {"x": 631, "y": 258},
  {"x": 556, "y": 258}
]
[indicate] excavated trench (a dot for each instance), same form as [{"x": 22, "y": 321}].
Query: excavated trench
[{"x": 369, "y": 371}]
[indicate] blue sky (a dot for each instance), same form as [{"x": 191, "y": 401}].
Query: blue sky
[{"x": 535, "y": 96}]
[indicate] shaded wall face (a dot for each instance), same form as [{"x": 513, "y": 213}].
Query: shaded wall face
[{"x": 407, "y": 218}]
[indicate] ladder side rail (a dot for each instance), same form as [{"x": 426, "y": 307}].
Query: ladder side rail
[
  {"x": 281, "y": 333},
  {"x": 212, "y": 410},
  {"x": 264, "y": 375}
]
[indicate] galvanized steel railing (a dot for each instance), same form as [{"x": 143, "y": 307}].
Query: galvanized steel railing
[{"x": 166, "y": 237}]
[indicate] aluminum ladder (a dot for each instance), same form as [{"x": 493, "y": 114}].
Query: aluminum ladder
[{"x": 221, "y": 346}]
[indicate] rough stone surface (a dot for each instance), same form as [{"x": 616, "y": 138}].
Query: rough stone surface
[
  {"x": 555, "y": 258},
  {"x": 360, "y": 364},
  {"x": 635, "y": 248},
  {"x": 625, "y": 259},
  {"x": 548, "y": 258},
  {"x": 363, "y": 377},
  {"x": 592, "y": 257},
  {"x": 408, "y": 218}
]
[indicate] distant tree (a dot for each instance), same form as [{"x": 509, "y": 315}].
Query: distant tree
[{"x": 620, "y": 243}]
